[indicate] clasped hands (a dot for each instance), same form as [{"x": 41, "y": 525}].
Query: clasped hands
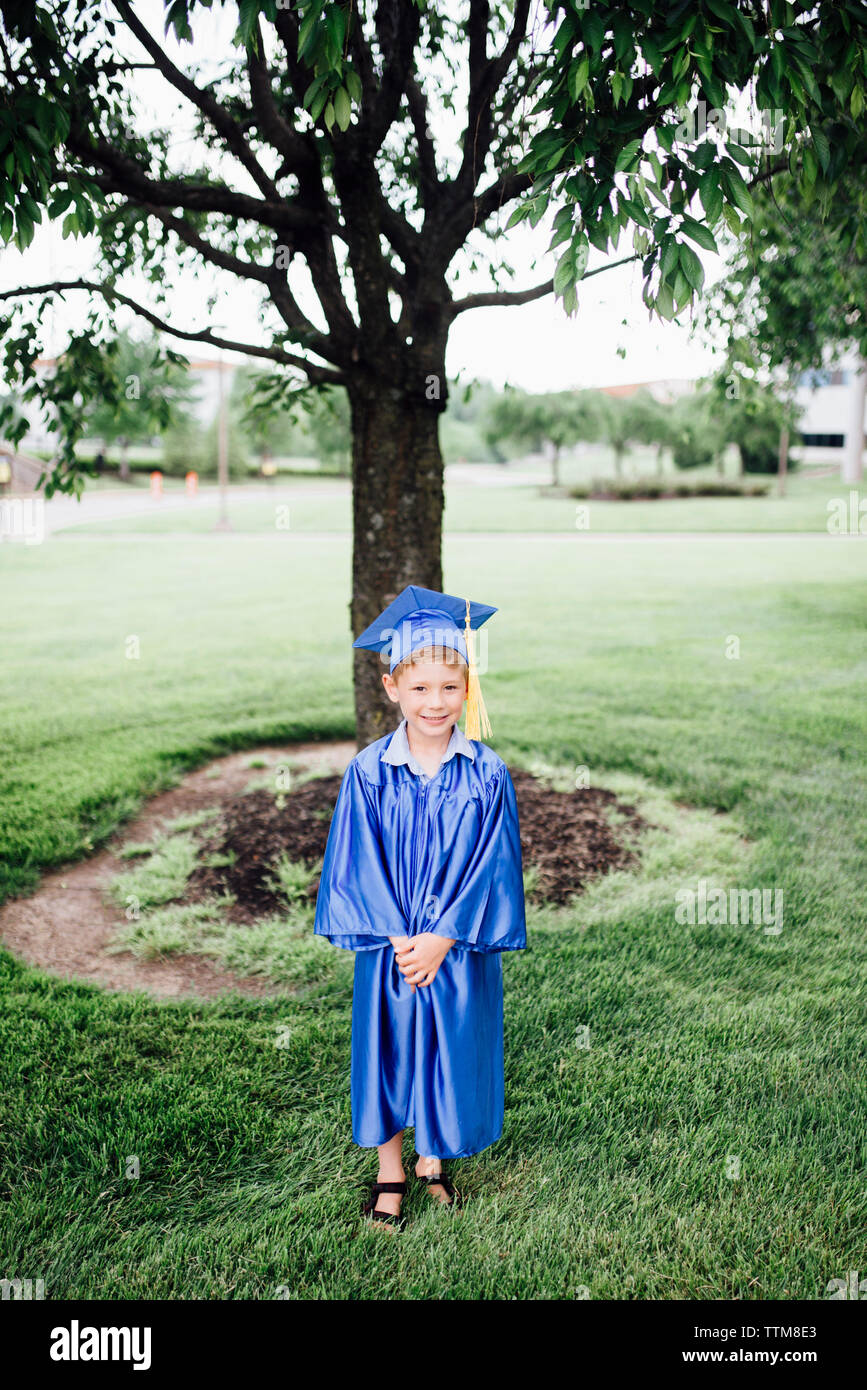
[{"x": 420, "y": 957}]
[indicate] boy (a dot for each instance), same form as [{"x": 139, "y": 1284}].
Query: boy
[{"x": 422, "y": 878}]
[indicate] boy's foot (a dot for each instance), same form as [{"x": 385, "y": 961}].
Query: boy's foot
[
  {"x": 389, "y": 1201},
  {"x": 426, "y": 1167}
]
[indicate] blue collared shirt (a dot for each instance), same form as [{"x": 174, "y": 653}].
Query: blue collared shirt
[{"x": 399, "y": 751}]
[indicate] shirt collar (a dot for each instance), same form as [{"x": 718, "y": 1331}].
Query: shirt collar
[{"x": 398, "y": 750}]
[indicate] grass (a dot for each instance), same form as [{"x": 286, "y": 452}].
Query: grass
[{"x": 684, "y": 1103}]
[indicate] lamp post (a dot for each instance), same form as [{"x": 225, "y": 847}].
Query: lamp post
[{"x": 223, "y": 523}]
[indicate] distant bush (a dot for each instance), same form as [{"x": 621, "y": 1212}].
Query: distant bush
[
  {"x": 652, "y": 489},
  {"x": 761, "y": 456}
]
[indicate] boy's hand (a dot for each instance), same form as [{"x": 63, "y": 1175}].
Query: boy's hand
[{"x": 420, "y": 957}]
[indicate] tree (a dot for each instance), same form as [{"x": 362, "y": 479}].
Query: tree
[
  {"x": 624, "y": 420},
  {"x": 558, "y": 418},
  {"x": 754, "y": 417},
  {"x": 653, "y": 423},
  {"x": 698, "y": 437},
  {"x": 794, "y": 296},
  {"x": 155, "y": 394},
  {"x": 316, "y": 142}
]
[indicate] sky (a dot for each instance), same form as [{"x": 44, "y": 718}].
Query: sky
[{"x": 612, "y": 340}]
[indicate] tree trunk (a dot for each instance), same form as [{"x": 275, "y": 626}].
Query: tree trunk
[
  {"x": 660, "y": 466},
  {"x": 397, "y": 507},
  {"x": 555, "y": 467},
  {"x": 124, "y": 460}
]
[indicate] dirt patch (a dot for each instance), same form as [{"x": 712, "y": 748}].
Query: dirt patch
[
  {"x": 566, "y": 836},
  {"x": 67, "y": 925}
]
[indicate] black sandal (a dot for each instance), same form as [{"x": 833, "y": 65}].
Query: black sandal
[
  {"x": 368, "y": 1208},
  {"x": 445, "y": 1182}
]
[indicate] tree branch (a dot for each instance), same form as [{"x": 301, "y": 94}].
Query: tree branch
[
  {"x": 495, "y": 297},
  {"x": 126, "y": 176},
  {"x": 222, "y": 121},
  {"x": 485, "y": 77},
  {"x": 299, "y": 153},
  {"x": 270, "y": 276},
  {"x": 316, "y": 373},
  {"x": 397, "y": 29}
]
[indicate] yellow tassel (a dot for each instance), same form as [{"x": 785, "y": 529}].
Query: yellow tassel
[{"x": 477, "y": 715}]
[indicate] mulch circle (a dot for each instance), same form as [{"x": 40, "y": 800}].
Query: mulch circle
[{"x": 566, "y": 836}]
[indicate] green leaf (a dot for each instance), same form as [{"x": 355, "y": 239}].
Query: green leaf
[
  {"x": 578, "y": 74},
  {"x": 353, "y": 84},
  {"x": 682, "y": 290},
  {"x": 809, "y": 168},
  {"x": 665, "y": 302},
  {"x": 36, "y": 140},
  {"x": 561, "y": 234},
  {"x": 822, "y": 148},
  {"x": 593, "y": 31},
  {"x": 627, "y": 156},
  {"x": 564, "y": 273},
  {"x": 740, "y": 194},
  {"x": 711, "y": 195},
  {"x": 342, "y": 107},
  {"x": 650, "y": 49},
  {"x": 691, "y": 267},
  {"x": 699, "y": 234},
  {"x": 669, "y": 260}
]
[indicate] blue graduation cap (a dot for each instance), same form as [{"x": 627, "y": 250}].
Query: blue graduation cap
[{"x": 425, "y": 618}]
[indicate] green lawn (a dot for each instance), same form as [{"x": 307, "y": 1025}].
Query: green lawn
[
  {"x": 313, "y": 504},
  {"x": 713, "y": 1049}
]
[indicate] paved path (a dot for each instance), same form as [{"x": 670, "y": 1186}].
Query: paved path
[{"x": 569, "y": 537}]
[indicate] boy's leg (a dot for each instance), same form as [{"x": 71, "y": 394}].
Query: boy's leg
[
  {"x": 426, "y": 1167},
  {"x": 390, "y": 1170}
]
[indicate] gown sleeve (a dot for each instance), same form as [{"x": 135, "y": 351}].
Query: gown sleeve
[
  {"x": 356, "y": 905},
  {"x": 485, "y": 912}
]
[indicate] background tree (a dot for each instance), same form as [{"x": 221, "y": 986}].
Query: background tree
[
  {"x": 316, "y": 141},
  {"x": 794, "y": 298},
  {"x": 154, "y": 394},
  {"x": 624, "y": 423},
  {"x": 557, "y": 418},
  {"x": 653, "y": 424},
  {"x": 698, "y": 437},
  {"x": 753, "y": 416},
  {"x": 270, "y": 430}
]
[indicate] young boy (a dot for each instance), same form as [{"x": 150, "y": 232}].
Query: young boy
[{"x": 422, "y": 878}]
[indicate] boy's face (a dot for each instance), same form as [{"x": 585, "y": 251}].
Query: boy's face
[{"x": 431, "y": 696}]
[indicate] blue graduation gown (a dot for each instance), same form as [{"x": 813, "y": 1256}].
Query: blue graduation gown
[{"x": 407, "y": 854}]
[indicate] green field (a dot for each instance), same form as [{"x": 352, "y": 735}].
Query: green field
[{"x": 709, "y": 1143}]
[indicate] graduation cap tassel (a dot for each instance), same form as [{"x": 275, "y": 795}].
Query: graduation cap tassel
[{"x": 477, "y": 715}]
